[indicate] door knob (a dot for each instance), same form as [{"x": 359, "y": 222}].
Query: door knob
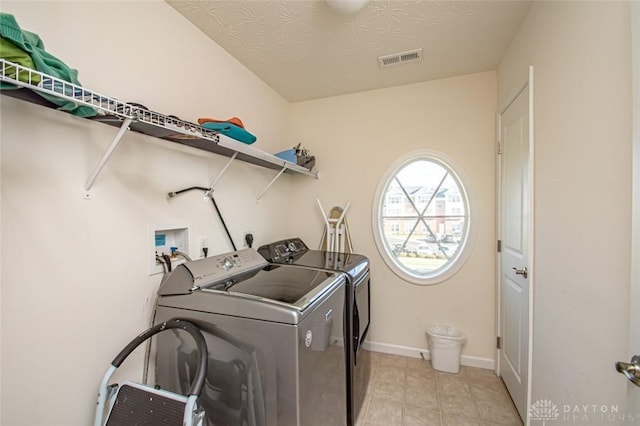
[
  {"x": 630, "y": 370},
  {"x": 522, "y": 271}
]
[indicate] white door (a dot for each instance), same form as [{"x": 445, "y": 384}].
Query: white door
[
  {"x": 633, "y": 392},
  {"x": 514, "y": 228}
]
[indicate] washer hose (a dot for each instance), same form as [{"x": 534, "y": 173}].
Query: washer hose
[
  {"x": 209, "y": 193},
  {"x": 167, "y": 261}
]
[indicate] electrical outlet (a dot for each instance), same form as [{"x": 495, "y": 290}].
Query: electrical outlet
[
  {"x": 203, "y": 246},
  {"x": 203, "y": 242},
  {"x": 243, "y": 242}
]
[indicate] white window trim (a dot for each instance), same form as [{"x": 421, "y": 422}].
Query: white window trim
[{"x": 472, "y": 224}]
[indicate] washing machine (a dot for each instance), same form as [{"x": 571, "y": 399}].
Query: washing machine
[
  {"x": 355, "y": 268},
  {"x": 275, "y": 337}
]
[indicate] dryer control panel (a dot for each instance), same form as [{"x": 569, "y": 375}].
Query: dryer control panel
[{"x": 282, "y": 250}]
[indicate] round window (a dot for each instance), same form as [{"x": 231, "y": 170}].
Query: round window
[{"x": 423, "y": 217}]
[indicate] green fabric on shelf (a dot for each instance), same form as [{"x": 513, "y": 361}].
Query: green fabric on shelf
[
  {"x": 13, "y": 53},
  {"x": 43, "y": 61}
]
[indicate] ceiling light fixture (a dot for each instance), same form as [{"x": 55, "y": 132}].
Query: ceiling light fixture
[{"x": 347, "y": 7}]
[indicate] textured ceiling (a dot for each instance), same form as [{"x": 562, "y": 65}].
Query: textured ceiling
[{"x": 304, "y": 50}]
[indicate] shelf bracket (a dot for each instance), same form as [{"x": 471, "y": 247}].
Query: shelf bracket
[
  {"x": 224, "y": 169},
  {"x": 87, "y": 187},
  {"x": 271, "y": 183}
]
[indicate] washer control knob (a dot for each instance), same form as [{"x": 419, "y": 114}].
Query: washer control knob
[{"x": 228, "y": 263}]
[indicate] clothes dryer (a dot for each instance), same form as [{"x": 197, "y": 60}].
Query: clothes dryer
[{"x": 355, "y": 268}]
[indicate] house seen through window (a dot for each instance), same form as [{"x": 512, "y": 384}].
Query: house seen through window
[{"x": 422, "y": 216}]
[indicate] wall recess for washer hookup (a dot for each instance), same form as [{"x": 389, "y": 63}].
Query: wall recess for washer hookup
[{"x": 161, "y": 239}]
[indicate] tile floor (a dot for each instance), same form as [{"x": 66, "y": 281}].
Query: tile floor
[{"x": 408, "y": 391}]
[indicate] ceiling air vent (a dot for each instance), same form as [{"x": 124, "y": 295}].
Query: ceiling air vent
[{"x": 400, "y": 58}]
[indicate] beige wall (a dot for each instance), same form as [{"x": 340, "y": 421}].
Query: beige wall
[
  {"x": 60, "y": 330},
  {"x": 356, "y": 138},
  {"x": 582, "y": 125},
  {"x": 74, "y": 286}
]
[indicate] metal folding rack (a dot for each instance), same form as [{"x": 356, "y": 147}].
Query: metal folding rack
[{"x": 129, "y": 116}]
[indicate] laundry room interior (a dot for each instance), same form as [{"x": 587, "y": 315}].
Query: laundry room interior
[{"x": 79, "y": 275}]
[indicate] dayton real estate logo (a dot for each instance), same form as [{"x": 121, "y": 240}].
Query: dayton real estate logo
[{"x": 544, "y": 410}]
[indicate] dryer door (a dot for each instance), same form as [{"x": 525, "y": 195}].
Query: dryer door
[{"x": 363, "y": 302}]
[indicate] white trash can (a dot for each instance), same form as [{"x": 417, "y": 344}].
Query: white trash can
[{"x": 445, "y": 343}]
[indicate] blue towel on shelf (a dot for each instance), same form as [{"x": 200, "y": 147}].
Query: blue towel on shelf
[
  {"x": 288, "y": 155},
  {"x": 231, "y": 130}
]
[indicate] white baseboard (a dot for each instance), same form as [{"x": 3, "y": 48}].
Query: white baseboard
[{"x": 469, "y": 361}]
